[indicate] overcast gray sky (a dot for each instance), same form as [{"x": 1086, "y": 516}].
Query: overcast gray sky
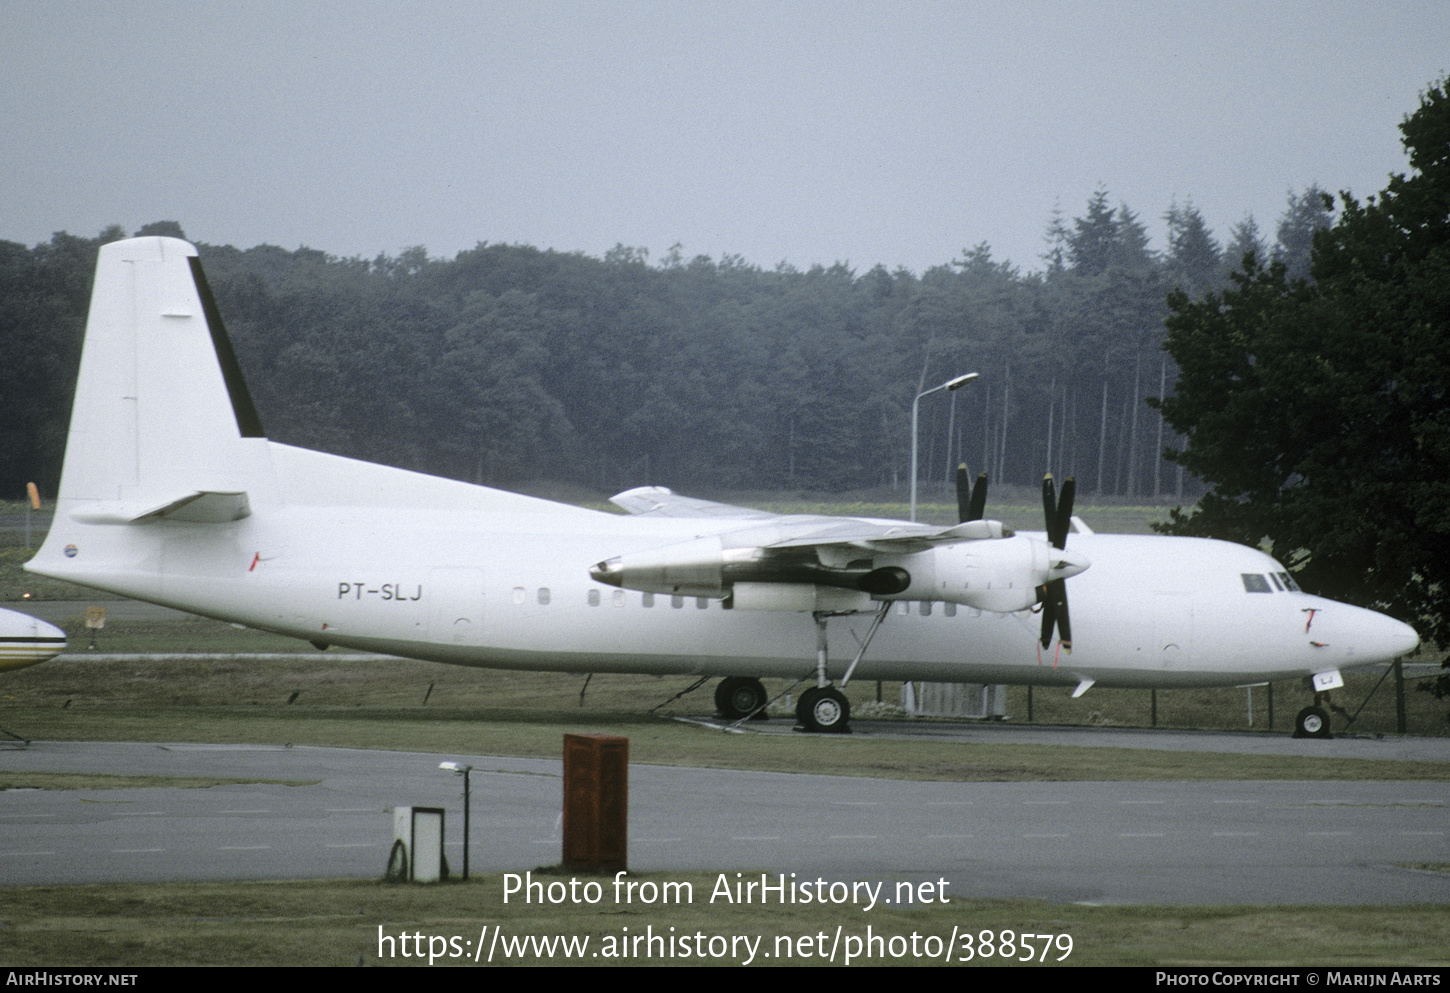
[{"x": 803, "y": 132}]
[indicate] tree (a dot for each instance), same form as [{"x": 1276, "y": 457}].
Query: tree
[
  {"x": 1319, "y": 412},
  {"x": 1306, "y": 214},
  {"x": 1093, "y": 243},
  {"x": 1243, "y": 239},
  {"x": 1193, "y": 260}
]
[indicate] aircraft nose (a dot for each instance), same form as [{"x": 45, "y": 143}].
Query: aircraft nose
[
  {"x": 26, "y": 640},
  {"x": 1400, "y": 637},
  {"x": 1377, "y": 637}
]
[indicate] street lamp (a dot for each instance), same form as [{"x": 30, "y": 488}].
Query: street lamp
[
  {"x": 459, "y": 769},
  {"x": 950, "y": 385}
]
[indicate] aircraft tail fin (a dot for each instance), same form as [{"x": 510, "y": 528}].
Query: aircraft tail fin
[{"x": 162, "y": 416}]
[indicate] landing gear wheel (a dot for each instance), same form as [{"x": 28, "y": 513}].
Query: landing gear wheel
[
  {"x": 737, "y": 696},
  {"x": 1311, "y": 723},
  {"x": 802, "y": 702},
  {"x": 824, "y": 710}
]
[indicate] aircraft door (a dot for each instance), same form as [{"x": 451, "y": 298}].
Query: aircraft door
[{"x": 455, "y": 611}]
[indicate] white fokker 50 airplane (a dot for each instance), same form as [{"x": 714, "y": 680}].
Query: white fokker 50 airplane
[{"x": 171, "y": 493}]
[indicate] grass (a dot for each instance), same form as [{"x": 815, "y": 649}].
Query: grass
[
  {"x": 10, "y": 780},
  {"x": 324, "y": 699}
]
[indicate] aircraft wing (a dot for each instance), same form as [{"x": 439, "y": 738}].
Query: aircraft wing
[
  {"x": 658, "y": 501},
  {"x": 751, "y": 548},
  {"x": 778, "y": 531}
]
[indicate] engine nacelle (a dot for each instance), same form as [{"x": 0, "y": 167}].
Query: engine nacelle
[
  {"x": 690, "y": 568},
  {"x": 1000, "y": 575},
  {"x": 704, "y": 567}
]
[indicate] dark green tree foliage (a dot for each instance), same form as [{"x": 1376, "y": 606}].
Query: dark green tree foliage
[
  {"x": 44, "y": 293},
  {"x": 1306, "y": 214},
  {"x": 508, "y": 364},
  {"x": 1319, "y": 412}
]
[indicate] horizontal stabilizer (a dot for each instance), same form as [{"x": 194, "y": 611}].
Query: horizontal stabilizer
[{"x": 196, "y": 507}]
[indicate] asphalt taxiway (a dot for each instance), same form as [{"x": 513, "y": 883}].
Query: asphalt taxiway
[{"x": 1109, "y": 842}]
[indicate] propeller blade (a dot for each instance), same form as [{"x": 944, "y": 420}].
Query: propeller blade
[
  {"x": 1064, "y": 627},
  {"x": 1054, "y": 613},
  {"x": 1064, "y": 512},
  {"x": 1059, "y": 522},
  {"x": 971, "y": 508},
  {"x": 1049, "y": 508}
]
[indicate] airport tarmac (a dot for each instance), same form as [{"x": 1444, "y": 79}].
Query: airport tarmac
[{"x": 1355, "y": 843}]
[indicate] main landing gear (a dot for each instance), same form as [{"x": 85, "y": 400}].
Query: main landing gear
[
  {"x": 741, "y": 696},
  {"x": 822, "y": 709}
]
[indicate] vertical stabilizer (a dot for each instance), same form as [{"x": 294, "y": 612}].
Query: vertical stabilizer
[{"x": 161, "y": 410}]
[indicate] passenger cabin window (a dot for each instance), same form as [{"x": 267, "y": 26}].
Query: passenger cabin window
[
  {"x": 544, "y": 596},
  {"x": 702, "y": 602},
  {"x": 1255, "y": 583},
  {"x": 950, "y": 609},
  {"x": 925, "y": 608},
  {"x": 593, "y": 598},
  {"x": 618, "y": 597},
  {"x": 518, "y": 594},
  {"x": 677, "y": 601},
  {"x": 648, "y": 599}
]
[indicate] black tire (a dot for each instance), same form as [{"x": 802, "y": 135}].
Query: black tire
[
  {"x": 802, "y": 703},
  {"x": 737, "y": 696},
  {"x": 1311, "y": 723},
  {"x": 825, "y": 711}
]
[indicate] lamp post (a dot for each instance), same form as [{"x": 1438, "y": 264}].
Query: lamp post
[
  {"x": 459, "y": 769},
  {"x": 950, "y": 385}
]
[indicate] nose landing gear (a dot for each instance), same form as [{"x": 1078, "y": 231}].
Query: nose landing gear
[{"x": 1311, "y": 722}]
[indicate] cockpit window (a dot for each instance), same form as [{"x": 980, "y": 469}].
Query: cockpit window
[
  {"x": 1255, "y": 583},
  {"x": 1277, "y": 585},
  {"x": 1289, "y": 583}
]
